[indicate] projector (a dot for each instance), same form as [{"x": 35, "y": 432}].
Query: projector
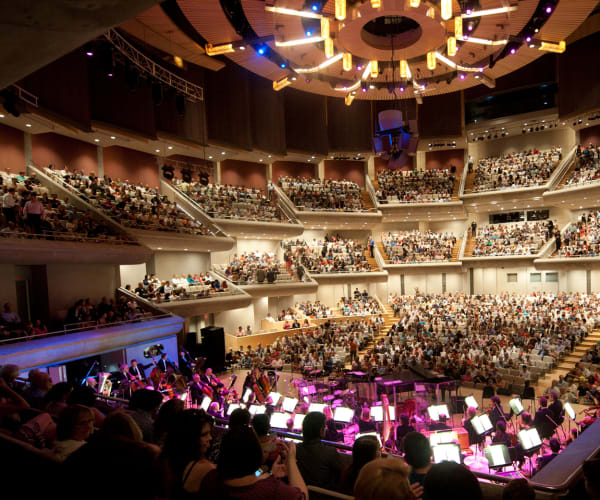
[{"x": 392, "y": 140}]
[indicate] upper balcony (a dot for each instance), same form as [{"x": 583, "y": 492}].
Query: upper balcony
[
  {"x": 394, "y": 210},
  {"x": 239, "y": 227},
  {"x": 434, "y": 265},
  {"x": 525, "y": 196},
  {"x": 154, "y": 237},
  {"x": 315, "y": 218}
]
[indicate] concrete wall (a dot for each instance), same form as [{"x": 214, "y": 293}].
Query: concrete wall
[
  {"x": 68, "y": 283},
  {"x": 166, "y": 264},
  {"x": 12, "y": 149}
]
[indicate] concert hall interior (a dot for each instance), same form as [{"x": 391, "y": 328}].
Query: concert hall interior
[{"x": 325, "y": 249}]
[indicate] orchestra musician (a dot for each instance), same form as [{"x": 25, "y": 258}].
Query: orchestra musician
[
  {"x": 164, "y": 363},
  {"x": 195, "y": 386},
  {"x": 543, "y": 420},
  {"x": 501, "y": 436},
  {"x": 556, "y": 408},
  {"x": 474, "y": 438},
  {"x": 139, "y": 371},
  {"x": 496, "y": 413}
]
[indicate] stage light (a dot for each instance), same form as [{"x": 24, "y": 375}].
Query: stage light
[
  {"x": 364, "y": 87},
  {"x": 403, "y": 69},
  {"x": 549, "y": 9},
  {"x": 513, "y": 50},
  {"x": 324, "y": 28},
  {"x": 315, "y": 7},
  {"x": 348, "y": 100},
  {"x": 458, "y": 26},
  {"x": 329, "y": 50},
  {"x": 451, "y": 46},
  {"x": 431, "y": 61},
  {"x": 558, "y": 48},
  {"x": 375, "y": 4},
  {"x": 293, "y": 12},
  {"x": 178, "y": 61},
  {"x": 89, "y": 53},
  {"x": 415, "y": 3},
  {"x": 261, "y": 51},
  {"x": 374, "y": 69},
  {"x": 324, "y": 64},
  {"x": 340, "y": 10},
  {"x": 462, "y": 76},
  {"x": 283, "y": 65},
  {"x": 109, "y": 74},
  {"x": 446, "y": 9},
  {"x": 216, "y": 50},
  {"x": 308, "y": 33},
  {"x": 488, "y": 12},
  {"x": 347, "y": 61}
]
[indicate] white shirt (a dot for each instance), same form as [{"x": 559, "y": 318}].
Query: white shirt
[{"x": 9, "y": 200}]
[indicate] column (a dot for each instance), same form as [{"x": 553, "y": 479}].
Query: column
[
  {"x": 217, "y": 173},
  {"x": 100, "y": 155},
  {"x": 320, "y": 168},
  {"x": 27, "y": 148},
  {"x": 423, "y": 226},
  {"x": 269, "y": 172},
  {"x": 371, "y": 167},
  {"x": 419, "y": 160}
]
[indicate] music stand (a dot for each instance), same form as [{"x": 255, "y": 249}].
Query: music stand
[
  {"x": 470, "y": 401},
  {"x": 344, "y": 415},
  {"x": 516, "y": 406},
  {"x": 448, "y": 452},
  {"x": 257, "y": 409},
  {"x": 530, "y": 442},
  {"x": 205, "y": 403},
  {"x": 377, "y": 413},
  {"x": 436, "y": 410},
  {"x": 498, "y": 456},
  {"x": 298, "y": 419},
  {"x": 443, "y": 437},
  {"x": 275, "y": 397},
  {"x": 316, "y": 407},
  {"x": 279, "y": 420},
  {"x": 289, "y": 404}
]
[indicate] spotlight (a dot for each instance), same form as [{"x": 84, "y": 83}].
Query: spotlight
[
  {"x": 89, "y": 53},
  {"x": 359, "y": 67},
  {"x": 261, "y": 51},
  {"x": 363, "y": 86},
  {"x": 315, "y": 7},
  {"x": 308, "y": 33},
  {"x": 283, "y": 65},
  {"x": 528, "y": 39},
  {"x": 513, "y": 50},
  {"x": 549, "y": 9},
  {"x": 401, "y": 89},
  {"x": 462, "y": 76}
]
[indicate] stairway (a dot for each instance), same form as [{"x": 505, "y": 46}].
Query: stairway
[
  {"x": 372, "y": 261},
  {"x": 389, "y": 320},
  {"x": 469, "y": 247},
  {"x": 566, "y": 175},
  {"x": 568, "y": 362},
  {"x": 469, "y": 182},
  {"x": 366, "y": 197},
  {"x": 383, "y": 252},
  {"x": 456, "y": 250},
  {"x": 455, "y": 189}
]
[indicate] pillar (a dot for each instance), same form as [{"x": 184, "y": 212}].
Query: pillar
[
  {"x": 423, "y": 226},
  {"x": 371, "y": 167},
  {"x": 217, "y": 175},
  {"x": 100, "y": 155},
  {"x": 321, "y": 170},
  {"x": 420, "y": 160},
  {"x": 27, "y": 148}
]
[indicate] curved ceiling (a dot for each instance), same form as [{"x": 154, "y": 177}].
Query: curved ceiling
[{"x": 224, "y": 21}]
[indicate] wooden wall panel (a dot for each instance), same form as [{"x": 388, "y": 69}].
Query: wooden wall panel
[
  {"x": 132, "y": 166},
  {"x": 227, "y": 107},
  {"x": 62, "y": 151},
  {"x": 305, "y": 121},
  {"x": 579, "y": 77},
  {"x": 244, "y": 174},
  {"x": 267, "y": 116},
  {"x": 345, "y": 170},
  {"x": 113, "y": 102},
  {"x": 440, "y": 116},
  {"x": 12, "y": 149},
  {"x": 445, "y": 160},
  {"x": 349, "y": 127},
  {"x": 590, "y": 136},
  {"x": 293, "y": 169},
  {"x": 62, "y": 87}
]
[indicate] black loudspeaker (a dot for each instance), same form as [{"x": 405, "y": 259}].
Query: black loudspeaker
[
  {"x": 213, "y": 347},
  {"x": 458, "y": 404}
]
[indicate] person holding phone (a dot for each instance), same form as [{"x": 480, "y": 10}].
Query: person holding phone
[{"x": 237, "y": 475}]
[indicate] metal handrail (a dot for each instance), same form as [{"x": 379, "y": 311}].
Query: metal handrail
[
  {"x": 124, "y": 223},
  {"x": 59, "y": 236},
  {"x": 95, "y": 326}
]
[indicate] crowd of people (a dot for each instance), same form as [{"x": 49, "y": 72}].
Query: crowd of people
[
  {"x": 519, "y": 238},
  {"x": 415, "y": 186},
  {"x": 516, "y": 170},
  {"x": 587, "y": 167},
  {"x": 28, "y": 210},
  {"x": 12, "y": 327},
  {"x": 131, "y": 205},
  {"x": 223, "y": 201},
  {"x": 85, "y": 314},
  {"x": 582, "y": 237},
  {"x": 408, "y": 247},
  {"x": 331, "y": 254},
  {"x": 323, "y": 194},
  {"x": 260, "y": 267},
  {"x": 179, "y": 287},
  {"x": 475, "y": 338}
]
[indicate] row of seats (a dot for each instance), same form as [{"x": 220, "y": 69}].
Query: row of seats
[
  {"x": 520, "y": 238},
  {"x": 405, "y": 247},
  {"x": 415, "y": 186},
  {"x": 323, "y": 194}
]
